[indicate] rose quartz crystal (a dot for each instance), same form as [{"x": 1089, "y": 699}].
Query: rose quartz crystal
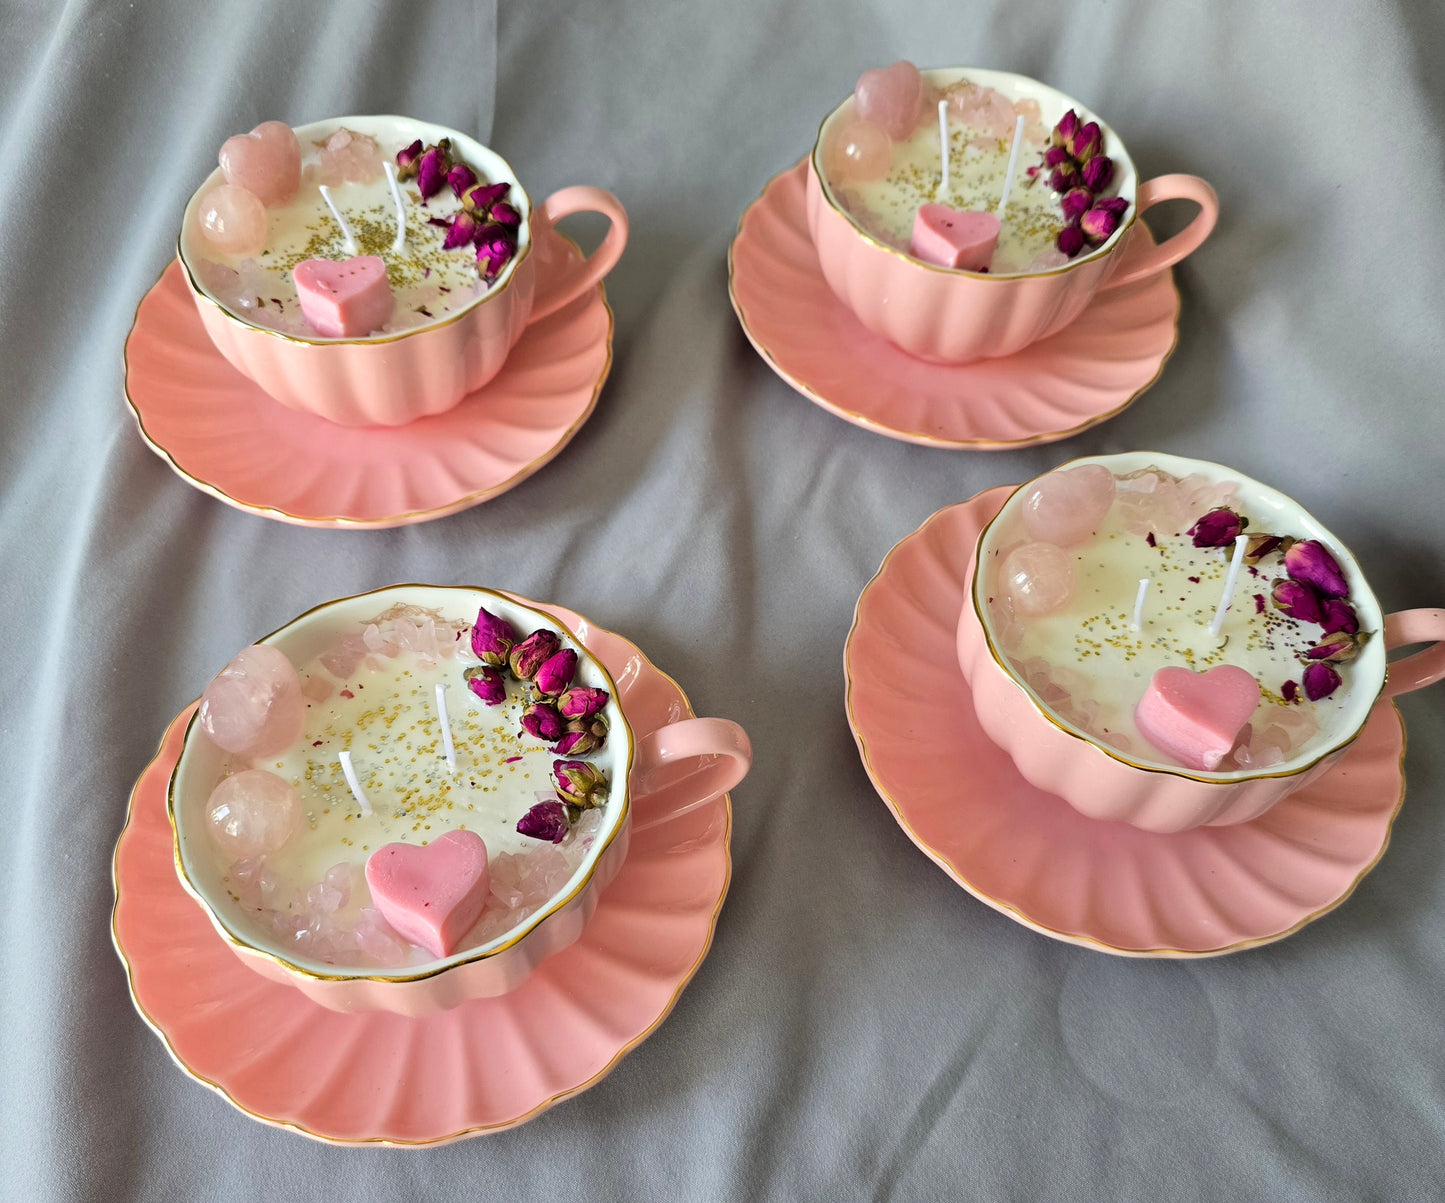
[
  {"x": 232, "y": 220},
  {"x": 254, "y": 706},
  {"x": 253, "y": 813},
  {"x": 1038, "y": 578},
  {"x": 1067, "y": 506},
  {"x": 349, "y": 158},
  {"x": 266, "y": 162},
  {"x": 859, "y": 150},
  {"x": 892, "y": 97}
]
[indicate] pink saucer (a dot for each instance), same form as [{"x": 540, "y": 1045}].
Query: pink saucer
[
  {"x": 379, "y": 1078},
  {"x": 221, "y": 433},
  {"x": 1109, "y": 886},
  {"x": 1088, "y": 372}
]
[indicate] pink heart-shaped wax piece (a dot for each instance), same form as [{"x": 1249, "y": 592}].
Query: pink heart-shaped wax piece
[
  {"x": 432, "y": 894},
  {"x": 891, "y": 97},
  {"x": 949, "y": 237},
  {"x": 344, "y": 299},
  {"x": 266, "y": 162},
  {"x": 1197, "y": 717}
]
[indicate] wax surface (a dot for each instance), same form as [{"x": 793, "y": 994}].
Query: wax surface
[
  {"x": 1086, "y": 662},
  {"x": 886, "y": 207}
]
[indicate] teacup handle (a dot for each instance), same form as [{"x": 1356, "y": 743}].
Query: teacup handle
[
  {"x": 727, "y": 755},
  {"x": 1186, "y": 242},
  {"x": 570, "y": 283},
  {"x": 1403, "y": 628}
]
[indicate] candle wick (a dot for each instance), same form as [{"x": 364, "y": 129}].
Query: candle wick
[
  {"x": 1013, "y": 163},
  {"x": 447, "y": 745},
  {"x": 1138, "y": 621},
  {"x": 398, "y": 244},
  {"x": 349, "y": 772},
  {"x": 943, "y": 146},
  {"x": 1240, "y": 543},
  {"x": 346, "y": 234}
]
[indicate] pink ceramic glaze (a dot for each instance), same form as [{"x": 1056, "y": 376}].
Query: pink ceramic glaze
[
  {"x": 692, "y": 760},
  {"x": 1105, "y": 784},
  {"x": 1034, "y": 858},
  {"x": 492, "y": 1063},
  {"x": 1081, "y": 376},
  {"x": 393, "y": 379},
  {"x": 949, "y": 316},
  {"x": 226, "y": 437}
]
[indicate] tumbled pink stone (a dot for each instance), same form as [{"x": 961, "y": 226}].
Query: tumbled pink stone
[
  {"x": 266, "y": 162},
  {"x": 254, "y": 706},
  {"x": 892, "y": 97},
  {"x": 859, "y": 150},
  {"x": 1067, "y": 506},
  {"x": 253, "y": 813},
  {"x": 232, "y": 220},
  {"x": 1038, "y": 578}
]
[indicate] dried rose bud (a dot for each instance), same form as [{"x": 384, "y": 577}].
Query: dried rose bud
[
  {"x": 1320, "y": 680},
  {"x": 1057, "y": 156},
  {"x": 1310, "y": 561},
  {"x": 407, "y": 159},
  {"x": 1097, "y": 173},
  {"x": 1070, "y": 240},
  {"x": 462, "y": 232},
  {"x": 556, "y": 673},
  {"x": 1296, "y": 599},
  {"x": 492, "y": 637},
  {"x": 1086, "y": 141},
  {"x": 488, "y": 684},
  {"x": 431, "y": 171},
  {"x": 582, "y": 701},
  {"x": 1064, "y": 177},
  {"x": 1067, "y": 127},
  {"x": 541, "y": 721},
  {"x": 579, "y": 783},
  {"x": 1335, "y": 648},
  {"x": 545, "y": 821},
  {"x": 1336, "y": 614},
  {"x": 534, "y": 651},
  {"x": 481, "y": 198},
  {"x": 1218, "y": 528},
  {"x": 495, "y": 247},
  {"x": 1290, "y": 691},
  {"x": 583, "y": 735},
  {"x": 461, "y": 177},
  {"x": 505, "y": 215},
  {"x": 1260, "y": 546},
  {"x": 1075, "y": 203},
  {"x": 1099, "y": 224}
]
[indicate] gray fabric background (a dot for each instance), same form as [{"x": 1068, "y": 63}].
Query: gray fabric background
[{"x": 863, "y": 1028}]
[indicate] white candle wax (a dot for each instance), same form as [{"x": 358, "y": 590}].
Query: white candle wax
[{"x": 1089, "y": 663}]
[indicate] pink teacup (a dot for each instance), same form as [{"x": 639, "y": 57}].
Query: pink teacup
[
  {"x": 1103, "y": 782},
  {"x": 693, "y": 759},
  {"x": 391, "y": 379},
  {"x": 954, "y": 316}
]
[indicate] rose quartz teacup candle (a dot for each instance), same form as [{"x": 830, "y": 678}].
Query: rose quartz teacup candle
[
  {"x": 1168, "y": 642},
  {"x": 878, "y": 168},
  {"x": 409, "y": 798},
  {"x": 374, "y": 270}
]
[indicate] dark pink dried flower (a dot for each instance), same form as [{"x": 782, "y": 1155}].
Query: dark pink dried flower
[
  {"x": 1099, "y": 224},
  {"x": 541, "y": 721},
  {"x": 534, "y": 651},
  {"x": 407, "y": 159},
  {"x": 1336, "y": 614},
  {"x": 481, "y": 198},
  {"x": 431, "y": 171},
  {"x": 556, "y": 673},
  {"x": 1086, "y": 142},
  {"x": 1064, "y": 177},
  {"x": 1296, "y": 599},
  {"x": 1310, "y": 561},
  {"x": 1075, "y": 203},
  {"x": 462, "y": 232},
  {"x": 582, "y": 701},
  {"x": 1057, "y": 156},
  {"x": 461, "y": 177},
  {"x": 495, "y": 247},
  {"x": 1067, "y": 127},
  {"x": 1097, "y": 173},
  {"x": 1218, "y": 528},
  {"x": 488, "y": 684},
  {"x": 492, "y": 638},
  {"x": 1335, "y": 648},
  {"x": 579, "y": 783},
  {"x": 1260, "y": 546},
  {"x": 1320, "y": 680},
  {"x": 1070, "y": 240},
  {"x": 505, "y": 215},
  {"x": 1290, "y": 691},
  {"x": 545, "y": 821}
]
